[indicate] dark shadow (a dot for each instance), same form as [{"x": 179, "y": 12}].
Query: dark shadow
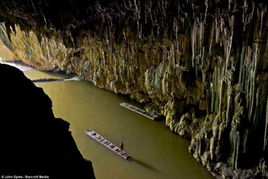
[
  {"x": 42, "y": 144},
  {"x": 146, "y": 165}
]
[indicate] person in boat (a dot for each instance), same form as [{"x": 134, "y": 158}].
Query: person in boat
[{"x": 122, "y": 145}]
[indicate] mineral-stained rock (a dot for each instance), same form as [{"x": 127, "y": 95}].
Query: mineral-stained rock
[
  {"x": 202, "y": 63},
  {"x": 33, "y": 141}
]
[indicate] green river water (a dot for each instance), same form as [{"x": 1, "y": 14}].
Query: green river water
[{"x": 157, "y": 153}]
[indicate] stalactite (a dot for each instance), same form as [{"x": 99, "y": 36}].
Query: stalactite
[
  {"x": 203, "y": 64},
  {"x": 265, "y": 139}
]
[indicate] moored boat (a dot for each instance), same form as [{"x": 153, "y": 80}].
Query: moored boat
[{"x": 143, "y": 112}]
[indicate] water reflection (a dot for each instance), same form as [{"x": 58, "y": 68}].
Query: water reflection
[
  {"x": 157, "y": 152},
  {"x": 145, "y": 165}
]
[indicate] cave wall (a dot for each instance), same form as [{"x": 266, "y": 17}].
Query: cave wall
[
  {"x": 34, "y": 143},
  {"x": 202, "y": 64}
]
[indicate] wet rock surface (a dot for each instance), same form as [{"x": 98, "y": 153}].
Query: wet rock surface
[
  {"x": 33, "y": 141},
  {"x": 202, "y": 64}
]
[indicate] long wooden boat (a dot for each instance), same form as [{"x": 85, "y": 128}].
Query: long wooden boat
[
  {"x": 109, "y": 145},
  {"x": 143, "y": 112},
  {"x": 76, "y": 78},
  {"x": 46, "y": 80}
]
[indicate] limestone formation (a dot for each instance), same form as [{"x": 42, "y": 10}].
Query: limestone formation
[{"x": 203, "y": 64}]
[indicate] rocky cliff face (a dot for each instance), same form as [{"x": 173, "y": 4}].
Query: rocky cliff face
[
  {"x": 202, "y": 64},
  {"x": 33, "y": 141}
]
